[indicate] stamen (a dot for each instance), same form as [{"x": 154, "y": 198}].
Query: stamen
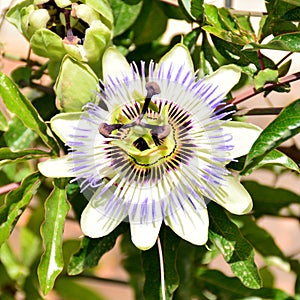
[
  {"x": 152, "y": 89},
  {"x": 161, "y": 132},
  {"x": 106, "y": 129}
]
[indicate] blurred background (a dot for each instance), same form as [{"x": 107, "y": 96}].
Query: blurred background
[{"x": 286, "y": 233}]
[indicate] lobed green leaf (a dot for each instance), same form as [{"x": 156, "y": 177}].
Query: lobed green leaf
[
  {"x": 236, "y": 250},
  {"x": 21, "y": 106},
  {"x": 263, "y": 242},
  {"x": 56, "y": 209}
]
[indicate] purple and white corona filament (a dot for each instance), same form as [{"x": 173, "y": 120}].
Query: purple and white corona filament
[{"x": 154, "y": 149}]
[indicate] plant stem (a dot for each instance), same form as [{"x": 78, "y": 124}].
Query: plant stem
[{"x": 268, "y": 87}]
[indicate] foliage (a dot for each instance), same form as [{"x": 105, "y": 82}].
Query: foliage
[{"x": 73, "y": 37}]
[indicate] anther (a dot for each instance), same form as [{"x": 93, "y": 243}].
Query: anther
[
  {"x": 161, "y": 132},
  {"x": 152, "y": 89},
  {"x": 106, "y": 129}
]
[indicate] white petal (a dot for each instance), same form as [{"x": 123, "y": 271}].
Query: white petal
[
  {"x": 94, "y": 224},
  {"x": 225, "y": 78},
  {"x": 191, "y": 224},
  {"x": 115, "y": 65},
  {"x": 243, "y": 137},
  {"x": 234, "y": 197},
  {"x": 178, "y": 58},
  {"x": 144, "y": 236},
  {"x": 63, "y": 124},
  {"x": 58, "y": 167}
]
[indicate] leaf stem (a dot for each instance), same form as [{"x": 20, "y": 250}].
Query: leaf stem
[{"x": 162, "y": 272}]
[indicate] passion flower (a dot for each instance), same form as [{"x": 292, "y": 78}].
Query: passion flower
[{"x": 154, "y": 149}]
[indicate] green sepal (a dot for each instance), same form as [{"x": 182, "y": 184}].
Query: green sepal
[{"x": 73, "y": 91}]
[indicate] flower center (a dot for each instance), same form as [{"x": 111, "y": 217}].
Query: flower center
[{"x": 147, "y": 134}]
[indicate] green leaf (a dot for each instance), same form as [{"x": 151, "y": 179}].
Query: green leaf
[
  {"x": 285, "y": 126},
  {"x": 284, "y": 42},
  {"x": 265, "y": 76},
  {"x": 125, "y": 13},
  {"x": 172, "y": 11},
  {"x": 230, "y": 288},
  {"x": 15, "y": 269},
  {"x": 72, "y": 92},
  {"x": 274, "y": 22},
  {"x": 15, "y": 203},
  {"x": 18, "y": 136},
  {"x": 30, "y": 245},
  {"x": 235, "y": 249},
  {"x": 8, "y": 156},
  {"x": 71, "y": 289},
  {"x": 21, "y": 106},
  {"x": 268, "y": 200},
  {"x": 92, "y": 250},
  {"x": 103, "y": 8},
  {"x": 234, "y": 54},
  {"x": 277, "y": 158},
  {"x": 151, "y": 264},
  {"x": 3, "y": 122},
  {"x": 263, "y": 242},
  {"x": 56, "y": 209},
  {"x": 22, "y": 76},
  {"x": 150, "y": 24},
  {"x": 226, "y": 26}
]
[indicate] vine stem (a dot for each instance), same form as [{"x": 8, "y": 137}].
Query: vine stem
[
  {"x": 269, "y": 86},
  {"x": 162, "y": 271}
]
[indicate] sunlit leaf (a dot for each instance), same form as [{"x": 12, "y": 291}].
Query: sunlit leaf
[
  {"x": 21, "y": 106},
  {"x": 236, "y": 250},
  {"x": 263, "y": 242},
  {"x": 274, "y": 158},
  {"x": 3, "y": 122},
  {"x": 265, "y": 76},
  {"x": 285, "y": 126},
  {"x": 283, "y": 42},
  {"x": 15, "y": 203},
  {"x": 8, "y": 156},
  {"x": 56, "y": 209}
]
